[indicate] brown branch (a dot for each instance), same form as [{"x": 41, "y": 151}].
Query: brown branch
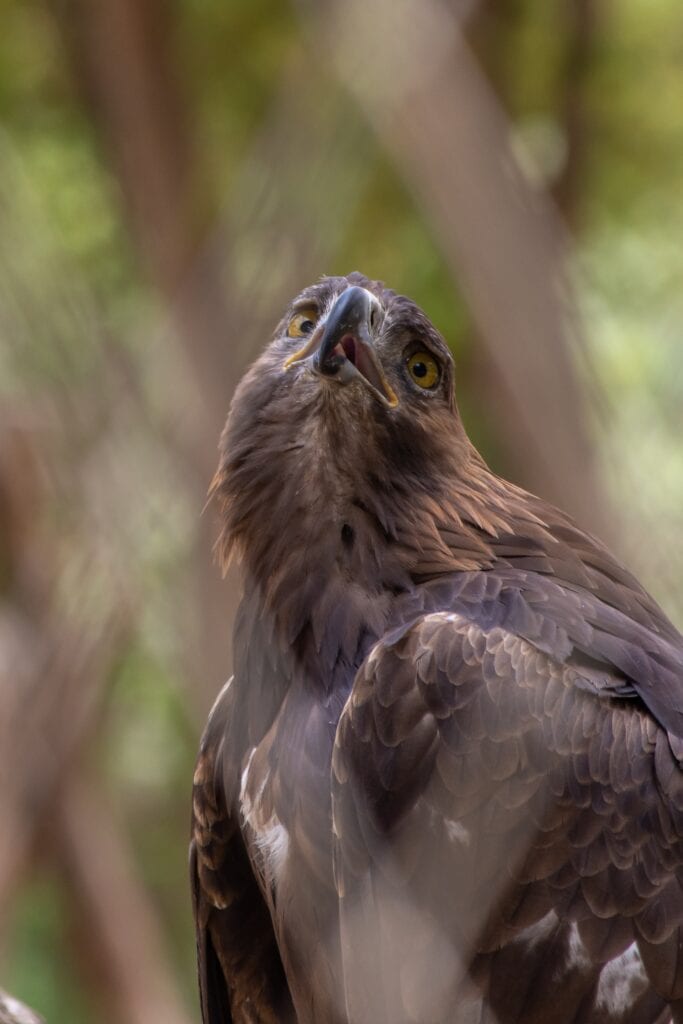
[{"x": 124, "y": 940}]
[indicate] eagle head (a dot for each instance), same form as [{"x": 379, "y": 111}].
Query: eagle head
[
  {"x": 344, "y": 438},
  {"x": 352, "y": 331}
]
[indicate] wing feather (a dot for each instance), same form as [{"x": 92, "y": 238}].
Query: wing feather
[
  {"x": 480, "y": 784},
  {"x": 241, "y": 979}
]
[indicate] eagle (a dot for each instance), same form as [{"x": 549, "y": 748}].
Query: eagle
[{"x": 443, "y": 785}]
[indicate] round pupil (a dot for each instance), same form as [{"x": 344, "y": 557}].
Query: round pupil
[
  {"x": 306, "y": 326},
  {"x": 420, "y": 369}
]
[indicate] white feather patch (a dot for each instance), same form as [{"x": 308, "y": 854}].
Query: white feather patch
[
  {"x": 539, "y": 931},
  {"x": 577, "y": 957},
  {"x": 456, "y": 832},
  {"x": 622, "y": 981},
  {"x": 271, "y": 838}
]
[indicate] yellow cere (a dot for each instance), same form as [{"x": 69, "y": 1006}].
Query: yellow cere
[
  {"x": 424, "y": 369},
  {"x": 302, "y": 323}
]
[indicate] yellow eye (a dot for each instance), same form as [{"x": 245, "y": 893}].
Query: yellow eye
[
  {"x": 424, "y": 369},
  {"x": 302, "y": 323}
]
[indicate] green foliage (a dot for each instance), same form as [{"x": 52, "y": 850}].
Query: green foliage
[{"x": 39, "y": 967}]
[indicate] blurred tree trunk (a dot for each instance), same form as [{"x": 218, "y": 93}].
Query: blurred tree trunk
[
  {"x": 122, "y": 57},
  {"x": 580, "y": 36},
  {"x": 122, "y": 53},
  {"x": 54, "y": 668},
  {"x": 122, "y": 948},
  {"x": 491, "y": 30}
]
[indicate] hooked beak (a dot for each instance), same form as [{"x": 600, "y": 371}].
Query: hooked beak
[{"x": 343, "y": 350}]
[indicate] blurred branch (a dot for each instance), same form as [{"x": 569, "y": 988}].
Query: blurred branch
[
  {"x": 123, "y": 941},
  {"x": 122, "y": 52},
  {"x": 490, "y": 31},
  {"x": 52, "y": 681},
  {"x": 417, "y": 81},
  {"x": 582, "y": 15},
  {"x": 52, "y": 671},
  {"x": 493, "y": 29},
  {"x": 122, "y": 59},
  {"x": 44, "y": 727},
  {"x": 14, "y": 1012},
  {"x": 220, "y": 301}
]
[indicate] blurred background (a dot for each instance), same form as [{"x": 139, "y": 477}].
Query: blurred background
[{"x": 171, "y": 174}]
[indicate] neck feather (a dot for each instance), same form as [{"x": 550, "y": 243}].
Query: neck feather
[{"x": 328, "y": 531}]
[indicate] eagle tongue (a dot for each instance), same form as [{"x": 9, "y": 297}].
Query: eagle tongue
[
  {"x": 348, "y": 321},
  {"x": 348, "y": 346},
  {"x": 342, "y": 347},
  {"x": 369, "y": 367},
  {"x": 346, "y": 350}
]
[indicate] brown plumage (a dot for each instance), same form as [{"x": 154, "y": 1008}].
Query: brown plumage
[{"x": 444, "y": 784}]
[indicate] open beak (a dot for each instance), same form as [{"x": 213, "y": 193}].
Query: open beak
[{"x": 343, "y": 350}]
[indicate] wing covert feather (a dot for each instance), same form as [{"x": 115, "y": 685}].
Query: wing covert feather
[{"x": 479, "y": 787}]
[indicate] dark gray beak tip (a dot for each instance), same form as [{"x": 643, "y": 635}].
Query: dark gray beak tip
[{"x": 351, "y": 315}]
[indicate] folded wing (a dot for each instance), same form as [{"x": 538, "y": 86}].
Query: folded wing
[{"x": 508, "y": 839}]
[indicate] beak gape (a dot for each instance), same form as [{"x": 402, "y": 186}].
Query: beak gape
[{"x": 343, "y": 349}]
